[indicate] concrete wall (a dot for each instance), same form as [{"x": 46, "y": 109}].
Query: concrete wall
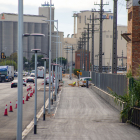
[{"x": 108, "y": 98}]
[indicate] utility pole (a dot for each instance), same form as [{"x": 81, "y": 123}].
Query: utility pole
[
  {"x": 88, "y": 49},
  {"x": 82, "y": 51},
  {"x": 92, "y": 57},
  {"x": 114, "y": 46},
  {"x": 100, "y": 36},
  {"x": 122, "y": 58},
  {"x": 85, "y": 50}
]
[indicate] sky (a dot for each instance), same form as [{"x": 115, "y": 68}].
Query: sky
[{"x": 64, "y": 10}]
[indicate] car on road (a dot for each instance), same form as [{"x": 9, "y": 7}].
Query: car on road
[
  {"x": 83, "y": 80},
  {"x": 30, "y": 79},
  {"x": 14, "y": 83}
]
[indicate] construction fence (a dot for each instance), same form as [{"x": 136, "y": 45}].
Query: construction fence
[{"x": 105, "y": 81}]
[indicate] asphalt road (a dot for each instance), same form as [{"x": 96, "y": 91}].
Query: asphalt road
[
  {"x": 83, "y": 115},
  {"x": 8, "y": 124}
]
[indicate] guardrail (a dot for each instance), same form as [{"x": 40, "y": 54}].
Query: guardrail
[{"x": 134, "y": 116}]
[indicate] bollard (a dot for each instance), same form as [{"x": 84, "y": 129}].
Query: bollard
[{"x": 87, "y": 83}]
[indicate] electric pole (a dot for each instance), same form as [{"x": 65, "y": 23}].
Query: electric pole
[
  {"x": 100, "y": 36},
  {"x": 114, "y": 46}
]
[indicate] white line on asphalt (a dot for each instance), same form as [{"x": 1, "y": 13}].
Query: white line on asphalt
[{"x": 31, "y": 125}]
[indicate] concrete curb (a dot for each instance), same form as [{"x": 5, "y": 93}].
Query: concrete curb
[{"x": 109, "y": 98}]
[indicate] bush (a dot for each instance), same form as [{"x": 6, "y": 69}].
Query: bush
[{"x": 75, "y": 71}]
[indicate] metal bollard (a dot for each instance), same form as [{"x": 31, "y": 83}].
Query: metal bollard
[{"x": 87, "y": 83}]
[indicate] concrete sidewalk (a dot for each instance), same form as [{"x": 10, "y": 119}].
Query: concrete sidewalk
[{"x": 80, "y": 114}]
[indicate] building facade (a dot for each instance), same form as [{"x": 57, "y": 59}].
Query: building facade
[
  {"x": 32, "y": 24},
  {"x": 83, "y": 18}
]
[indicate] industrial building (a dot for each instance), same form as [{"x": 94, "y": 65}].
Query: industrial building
[
  {"x": 84, "y": 17},
  {"x": 32, "y": 24}
]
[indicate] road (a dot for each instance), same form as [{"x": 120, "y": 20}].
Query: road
[
  {"x": 8, "y": 124},
  {"x": 83, "y": 115}
]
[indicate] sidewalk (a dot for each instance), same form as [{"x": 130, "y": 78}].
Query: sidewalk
[{"x": 82, "y": 115}]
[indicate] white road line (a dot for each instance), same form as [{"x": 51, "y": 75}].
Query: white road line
[{"x": 31, "y": 125}]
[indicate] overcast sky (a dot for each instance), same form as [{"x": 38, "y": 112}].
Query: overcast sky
[{"x": 64, "y": 10}]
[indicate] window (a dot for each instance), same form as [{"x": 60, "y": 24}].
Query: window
[
  {"x": 85, "y": 19},
  {"x": 107, "y": 36},
  {"x": 79, "y": 19},
  {"x": 110, "y": 36}
]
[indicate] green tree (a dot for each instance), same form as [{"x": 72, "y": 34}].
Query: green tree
[
  {"x": 9, "y": 62},
  {"x": 64, "y": 61}
]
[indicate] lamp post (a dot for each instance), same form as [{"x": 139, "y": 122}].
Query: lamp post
[
  {"x": 56, "y": 84},
  {"x": 44, "y": 87},
  {"x": 35, "y": 110},
  {"x": 52, "y": 85}
]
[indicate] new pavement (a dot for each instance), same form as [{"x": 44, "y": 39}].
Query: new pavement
[{"x": 80, "y": 114}]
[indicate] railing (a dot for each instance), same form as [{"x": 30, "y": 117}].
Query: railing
[
  {"x": 134, "y": 116},
  {"x": 104, "y": 81},
  {"x": 85, "y": 73}
]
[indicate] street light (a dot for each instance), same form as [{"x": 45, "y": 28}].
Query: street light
[
  {"x": 50, "y": 57},
  {"x": 35, "y": 111},
  {"x": 44, "y": 86}
]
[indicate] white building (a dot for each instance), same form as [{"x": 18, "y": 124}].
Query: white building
[{"x": 84, "y": 17}]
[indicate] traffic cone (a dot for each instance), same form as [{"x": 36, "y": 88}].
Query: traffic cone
[
  {"x": 11, "y": 108},
  {"x": 31, "y": 93},
  {"x": 16, "y": 104},
  {"x": 27, "y": 97},
  {"x": 6, "y": 112},
  {"x": 23, "y": 100}
]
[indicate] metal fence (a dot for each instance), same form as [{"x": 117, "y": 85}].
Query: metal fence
[
  {"x": 85, "y": 73},
  {"x": 118, "y": 83},
  {"x": 134, "y": 116}
]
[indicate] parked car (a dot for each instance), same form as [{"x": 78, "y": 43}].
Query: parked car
[
  {"x": 14, "y": 83},
  {"x": 15, "y": 74},
  {"x": 83, "y": 80},
  {"x": 30, "y": 79}
]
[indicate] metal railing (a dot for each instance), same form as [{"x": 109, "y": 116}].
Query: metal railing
[
  {"x": 134, "y": 116},
  {"x": 117, "y": 83},
  {"x": 85, "y": 73}
]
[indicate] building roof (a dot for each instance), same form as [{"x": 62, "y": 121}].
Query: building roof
[{"x": 24, "y": 14}]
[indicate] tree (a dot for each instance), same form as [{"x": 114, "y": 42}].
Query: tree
[{"x": 64, "y": 61}]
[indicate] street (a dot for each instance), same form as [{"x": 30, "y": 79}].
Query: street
[
  {"x": 83, "y": 115},
  {"x": 8, "y": 124}
]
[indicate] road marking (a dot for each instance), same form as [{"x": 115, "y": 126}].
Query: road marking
[{"x": 31, "y": 125}]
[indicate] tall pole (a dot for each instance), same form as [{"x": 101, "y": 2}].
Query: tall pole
[
  {"x": 50, "y": 61},
  {"x": 114, "y": 46},
  {"x": 100, "y": 36},
  {"x": 52, "y": 86},
  {"x": 56, "y": 66},
  {"x": 85, "y": 50},
  {"x": 88, "y": 50},
  {"x": 35, "y": 122},
  {"x": 122, "y": 58},
  {"x": 44, "y": 89},
  {"x": 92, "y": 42},
  {"x": 82, "y": 50},
  {"x": 20, "y": 69}
]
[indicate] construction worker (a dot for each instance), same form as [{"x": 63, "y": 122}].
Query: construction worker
[{"x": 74, "y": 83}]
